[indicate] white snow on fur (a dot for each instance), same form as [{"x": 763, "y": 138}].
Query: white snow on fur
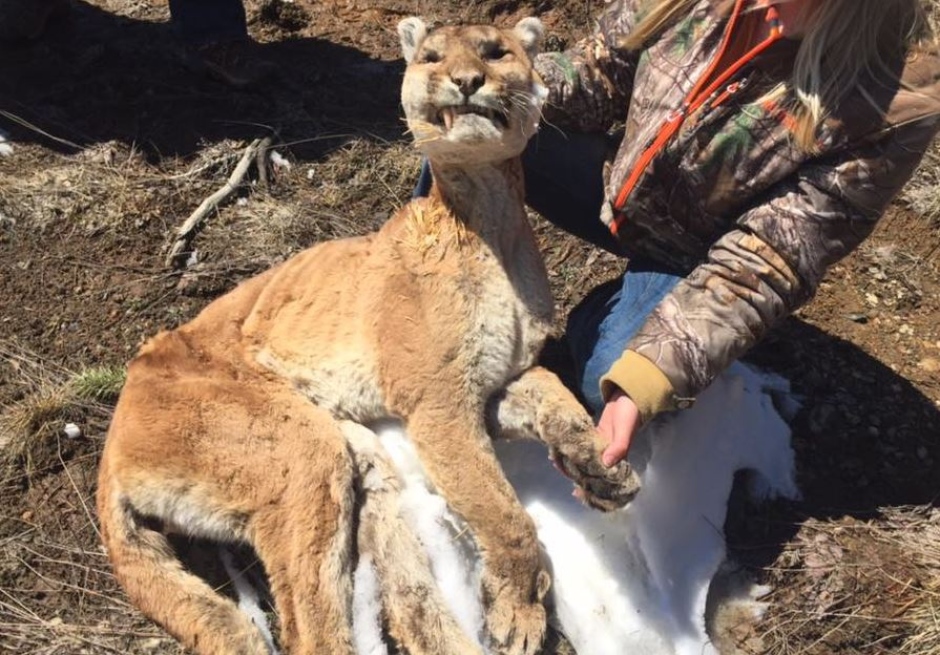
[
  {"x": 454, "y": 563},
  {"x": 634, "y": 580},
  {"x": 367, "y": 632}
]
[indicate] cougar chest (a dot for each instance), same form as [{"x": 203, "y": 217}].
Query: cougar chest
[{"x": 511, "y": 314}]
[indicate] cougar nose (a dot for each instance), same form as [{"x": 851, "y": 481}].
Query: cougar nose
[{"x": 468, "y": 81}]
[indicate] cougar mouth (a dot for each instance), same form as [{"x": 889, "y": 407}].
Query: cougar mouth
[{"x": 447, "y": 115}]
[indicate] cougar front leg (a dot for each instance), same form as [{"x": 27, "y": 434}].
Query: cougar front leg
[
  {"x": 458, "y": 457},
  {"x": 536, "y": 405}
]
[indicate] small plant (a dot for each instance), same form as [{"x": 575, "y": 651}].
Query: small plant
[
  {"x": 51, "y": 397},
  {"x": 99, "y": 383}
]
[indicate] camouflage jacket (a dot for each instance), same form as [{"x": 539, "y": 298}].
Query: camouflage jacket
[{"x": 751, "y": 220}]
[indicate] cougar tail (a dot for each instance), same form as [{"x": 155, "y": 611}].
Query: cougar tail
[{"x": 157, "y": 582}]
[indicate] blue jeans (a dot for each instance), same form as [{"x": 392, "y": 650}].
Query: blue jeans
[
  {"x": 564, "y": 183},
  {"x": 207, "y": 21},
  {"x": 600, "y": 326}
]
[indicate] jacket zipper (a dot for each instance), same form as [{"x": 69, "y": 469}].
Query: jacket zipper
[{"x": 695, "y": 99}]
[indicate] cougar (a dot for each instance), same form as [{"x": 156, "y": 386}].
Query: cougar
[{"x": 245, "y": 424}]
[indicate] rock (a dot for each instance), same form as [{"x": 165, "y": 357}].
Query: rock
[
  {"x": 929, "y": 364},
  {"x": 820, "y": 417}
]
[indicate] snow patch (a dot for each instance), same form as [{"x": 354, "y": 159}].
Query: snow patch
[
  {"x": 631, "y": 581},
  {"x": 634, "y": 580},
  {"x": 248, "y": 598}
]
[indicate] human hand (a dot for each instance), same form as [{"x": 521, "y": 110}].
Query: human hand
[{"x": 618, "y": 422}]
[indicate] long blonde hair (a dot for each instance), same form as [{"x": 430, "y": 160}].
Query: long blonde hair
[{"x": 843, "y": 40}]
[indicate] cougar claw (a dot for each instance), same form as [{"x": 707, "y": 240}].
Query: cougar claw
[{"x": 599, "y": 487}]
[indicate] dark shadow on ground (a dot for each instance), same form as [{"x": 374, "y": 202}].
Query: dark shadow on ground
[
  {"x": 865, "y": 439},
  {"x": 96, "y": 77}
]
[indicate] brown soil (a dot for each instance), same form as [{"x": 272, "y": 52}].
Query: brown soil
[{"x": 116, "y": 142}]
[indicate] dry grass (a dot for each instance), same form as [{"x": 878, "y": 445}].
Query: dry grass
[
  {"x": 848, "y": 586},
  {"x": 106, "y": 187},
  {"x": 31, "y": 424},
  {"x": 919, "y": 536},
  {"x": 32, "y": 427},
  {"x": 57, "y": 594},
  {"x": 922, "y": 193},
  {"x": 333, "y": 197}
]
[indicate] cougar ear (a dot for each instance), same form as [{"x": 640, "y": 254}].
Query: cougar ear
[
  {"x": 529, "y": 31},
  {"x": 411, "y": 32}
]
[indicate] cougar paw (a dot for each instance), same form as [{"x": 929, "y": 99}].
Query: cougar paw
[
  {"x": 515, "y": 627},
  {"x": 515, "y": 616},
  {"x": 599, "y": 487}
]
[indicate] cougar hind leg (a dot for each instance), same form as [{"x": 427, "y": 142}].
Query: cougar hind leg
[
  {"x": 306, "y": 542},
  {"x": 229, "y": 460},
  {"x": 155, "y": 579},
  {"x": 416, "y": 614}
]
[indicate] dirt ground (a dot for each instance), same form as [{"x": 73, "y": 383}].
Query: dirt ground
[{"x": 115, "y": 142}]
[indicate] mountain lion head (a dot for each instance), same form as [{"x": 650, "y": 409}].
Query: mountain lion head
[{"x": 470, "y": 93}]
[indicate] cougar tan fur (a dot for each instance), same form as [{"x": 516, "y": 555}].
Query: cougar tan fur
[{"x": 238, "y": 426}]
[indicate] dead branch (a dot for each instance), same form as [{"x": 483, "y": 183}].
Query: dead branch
[
  {"x": 192, "y": 224},
  {"x": 261, "y": 162}
]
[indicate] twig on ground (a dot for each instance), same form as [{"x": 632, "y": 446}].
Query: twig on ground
[
  {"x": 261, "y": 162},
  {"x": 195, "y": 220}
]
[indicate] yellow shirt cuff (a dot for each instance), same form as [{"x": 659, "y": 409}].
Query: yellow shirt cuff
[{"x": 642, "y": 380}]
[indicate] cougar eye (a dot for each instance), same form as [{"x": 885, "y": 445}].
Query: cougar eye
[
  {"x": 493, "y": 51},
  {"x": 429, "y": 57}
]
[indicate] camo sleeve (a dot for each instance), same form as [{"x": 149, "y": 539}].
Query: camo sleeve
[
  {"x": 590, "y": 83},
  {"x": 771, "y": 264}
]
